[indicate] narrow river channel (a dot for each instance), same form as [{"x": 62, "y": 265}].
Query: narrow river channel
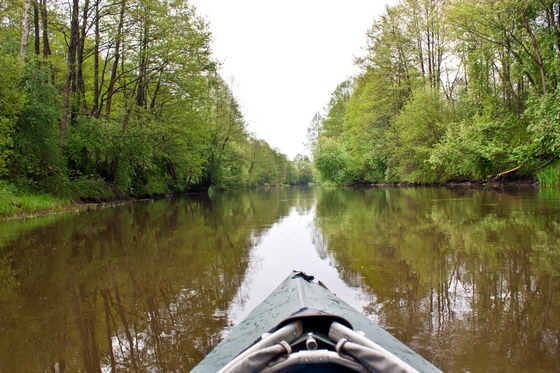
[{"x": 469, "y": 279}]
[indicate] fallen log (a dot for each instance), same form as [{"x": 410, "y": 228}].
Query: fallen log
[{"x": 507, "y": 172}]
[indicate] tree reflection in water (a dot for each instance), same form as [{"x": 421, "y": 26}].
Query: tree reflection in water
[
  {"x": 469, "y": 279},
  {"x": 142, "y": 287}
]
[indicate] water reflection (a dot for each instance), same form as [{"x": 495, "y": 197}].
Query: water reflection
[
  {"x": 143, "y": 287},
  {"x": 288, "y": 245},
  {"x": 469, "y": 279}
]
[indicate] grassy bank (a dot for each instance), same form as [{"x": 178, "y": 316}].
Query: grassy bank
[
  {"x": 16, "y": 203},
  {"x": 20, "y": 204},
  {"x": 550, "y": 175}
]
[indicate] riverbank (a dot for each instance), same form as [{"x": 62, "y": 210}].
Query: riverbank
[
  {"x": 21, "y": 204},
  {"x": 15, "y": 204},
  {"x": 25, "y": 205},
  {"x": 526, "y": 182}
]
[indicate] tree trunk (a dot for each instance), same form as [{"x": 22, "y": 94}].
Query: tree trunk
[
  {"x": 537, "y": 58},
  {"x": 25, "y": 32},
  {"x": 95, "y": 108},
  {"x": 80, "y": 85},
  {"x": 113, "y": 78},
  {"x": 46, "y": 45},
  {"x": 36, "y": 28},
  {"x": 143, "y": 70},
  {"x": 156, "y": 91},
  {"x": 70, "y": 73}
]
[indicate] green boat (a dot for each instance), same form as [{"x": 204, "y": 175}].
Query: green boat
[{"x": 303, "y": 327}]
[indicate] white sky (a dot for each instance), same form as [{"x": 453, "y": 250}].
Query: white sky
[{"x": 287, "y": 57}]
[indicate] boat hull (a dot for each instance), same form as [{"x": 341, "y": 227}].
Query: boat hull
[{"x": 299, "y": 296}]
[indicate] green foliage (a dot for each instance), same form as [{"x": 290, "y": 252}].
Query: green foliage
[
  {"x": 448, "y": 91},
  {"x": 304, "y": 169},
  {"x": 418, "y": 127},
  {"x": 226, "y": 136},
  {"x": 331, "y": 161},
  {"x": 367, "y": 125},
  {"x": 314, "y": 130},
  {"x": 35, "y": 160},
  {"x": 98, "y": 150},
  {"x": 262, "y": 166},
  {"x": 128, "y": 102},
  {"x": 333, "y": 123},
  {"x": 479, "y": 147},
  {"x": 543, "y": 114},
  {"x": 11, "y": 103},
  {"x": 91, "y": 188},
  {"x": 549, "y": 176}
]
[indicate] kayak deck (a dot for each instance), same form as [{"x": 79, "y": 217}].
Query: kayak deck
[{"x": 311, "y": 321}]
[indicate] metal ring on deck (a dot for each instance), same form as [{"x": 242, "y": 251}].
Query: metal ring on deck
[
  {"x": 339, "y": 346},
  {"x": 286, "y": 346}
]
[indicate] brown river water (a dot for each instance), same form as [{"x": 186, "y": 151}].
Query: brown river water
[{"x": 468, "y": 279}]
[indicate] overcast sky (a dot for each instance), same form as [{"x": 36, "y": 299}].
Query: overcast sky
[{"x": 287, "y": 57}]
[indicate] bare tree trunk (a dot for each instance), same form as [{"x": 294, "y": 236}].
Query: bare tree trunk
[
  {"x": 36, "y": 28},
  {"x": 156, "y": 91},
  {"x": 142, "y": 70},
  {"x": 80, "y": 85},
  {"x": 95, "y": 108},
  {"x": 552, "y": 12},
  {"x": 25, "y": 32},
  {"x": 46, "y": 45},
  {"x": 113, "y": 78},
  {"x": 538, "y": 57},
  {"x": 70, "y": 74}
]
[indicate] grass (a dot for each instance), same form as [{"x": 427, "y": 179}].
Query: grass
[
  {"x": 81, "y": 194},
  {"x": 14, "y": 203},
  {"x": 548, "y": 177}
]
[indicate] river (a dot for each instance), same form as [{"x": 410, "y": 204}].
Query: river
[{"x": 469, "y": 279}]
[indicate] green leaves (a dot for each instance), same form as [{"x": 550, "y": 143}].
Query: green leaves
[
  {"x": 11, "y": 103},
  {"x": 543, "y": 115},
  {"x": 331, "y": 160},
  {"x": 449, "y": 90},
  {"x": 418, "y": 127},
  {"x": 128, "y": 101}
]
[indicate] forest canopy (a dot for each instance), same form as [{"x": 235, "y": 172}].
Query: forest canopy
[
  {"x": 112, "y": 98},
  {"x": 448, "y": 90}
]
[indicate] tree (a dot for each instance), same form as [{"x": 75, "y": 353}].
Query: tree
[
  {"x": 331, "y": 161},
  {"x": 226, "y": 127},
  {"x": 388, "y": 78},
  {"x": 25, "y": 32},
  {"x": 139, "y": 103},
  {"x": 12, "y": 101},
  {"x": 314, "y": 131},
  {"x": 35, "y": 159},
  {"x": 304, "y": 168},
  {"x": 70, "y": 72},
  {"x": 449, "y": 89},
  {"x": 332, "y": 125},
  {"x": 418, "y": 127}
]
